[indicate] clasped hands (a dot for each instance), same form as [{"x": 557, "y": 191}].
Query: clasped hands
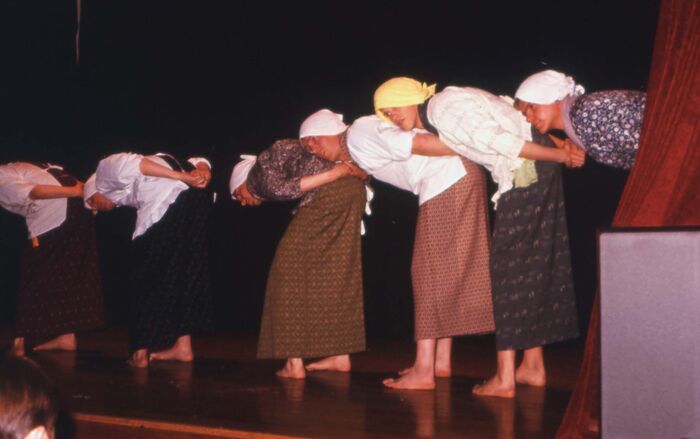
[
  {"x": 575, "y": 155},
  {"x": 351, "y": 169}
]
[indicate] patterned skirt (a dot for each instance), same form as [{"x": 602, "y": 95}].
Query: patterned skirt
[
  {"x": 313, "y": 302},
  {"x": 450, "y": 266},
  {"x": 170, "y": 282},
  {"x": 533, "y": 293},
  {"x": 60, "y": 289}
]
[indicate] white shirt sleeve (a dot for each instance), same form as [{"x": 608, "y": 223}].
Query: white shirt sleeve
[
  {"x": 14, "y": 189},
  {"x": 396, "y": 143}
]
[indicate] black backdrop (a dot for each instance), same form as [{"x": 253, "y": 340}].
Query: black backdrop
[{"x": 219, "y": 78}]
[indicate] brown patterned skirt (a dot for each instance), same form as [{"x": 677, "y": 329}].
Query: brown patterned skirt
[
  {"x": 450, "y": 267},
  {"x": 60, "y": 289},
  {"x": 313, "y": 303}
]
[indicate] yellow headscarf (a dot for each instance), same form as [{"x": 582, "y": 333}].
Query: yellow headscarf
[{"x": 401, "y": 92}]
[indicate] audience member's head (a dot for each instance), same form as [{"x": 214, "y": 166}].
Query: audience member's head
[{"x": 28, "y": 401}]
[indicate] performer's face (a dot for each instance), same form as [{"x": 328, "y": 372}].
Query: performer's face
[
  {"x": 326, "y": 147},
  {"x": 243, "y": 195},
  {"x": 543, "y": 117},
  {"x": 100, "y": 203},
  {"x": 406, "y": 118}
]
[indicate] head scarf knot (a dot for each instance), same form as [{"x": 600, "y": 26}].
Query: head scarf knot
[
  {"x": 547, "y": 87},
  {"x": 401, "y": 92}
]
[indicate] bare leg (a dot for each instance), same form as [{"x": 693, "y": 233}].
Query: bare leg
[
  {"x": 422, "y": 375},
  {"x": 180, "y": 351},
  {"x": 294, "y": 368},
  {"x": 139, "y": 359},
  {"x": 18, "y": 347},
  {"x": 64, "y": 342},
  {"x": 502, "y": 384},
  {"x": 531, "y": 371},
  {"x": 336, "y": 363},
  {"x": 443, "y": 358}
]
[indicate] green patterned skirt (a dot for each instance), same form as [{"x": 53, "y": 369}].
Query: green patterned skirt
[{"x": 314, "y": 303}]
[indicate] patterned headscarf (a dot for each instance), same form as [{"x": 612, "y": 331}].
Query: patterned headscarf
[
  {"x": 401, "y": 92},
  {"x": 547, "y": 87}
]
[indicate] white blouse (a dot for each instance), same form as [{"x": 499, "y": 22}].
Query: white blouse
[
  {"x": 119, "y": 178},
  {"x": 384, "y": 151},
  {"x": 17, "y": 180},
  {"x": 482, "y": 127}
]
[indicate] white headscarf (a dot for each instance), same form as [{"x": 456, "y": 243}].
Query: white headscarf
[
  {"x": 240, "y": 171},
  {"x": 89, "y": 189},
  {"x": 547, "y": 87},
  {"x": 322, "y": 123}
]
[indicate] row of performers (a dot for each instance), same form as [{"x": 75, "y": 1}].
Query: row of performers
[{"x": 515, "y": 281}]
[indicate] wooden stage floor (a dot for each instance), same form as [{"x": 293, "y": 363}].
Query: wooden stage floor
[{"x": 227, "y": 393}]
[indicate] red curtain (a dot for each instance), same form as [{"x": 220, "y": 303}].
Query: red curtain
[{"x": 663, "y": 189}]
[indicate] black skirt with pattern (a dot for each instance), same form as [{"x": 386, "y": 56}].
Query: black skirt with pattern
[
  {"x": 60, "y": 289},
  {"x": 170, "y": 291},
  {"x": 533, "y": 293}
]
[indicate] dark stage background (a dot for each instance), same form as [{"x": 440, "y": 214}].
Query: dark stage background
[{"x": 220, "y": 78}]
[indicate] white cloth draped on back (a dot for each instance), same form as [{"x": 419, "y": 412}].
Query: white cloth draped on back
[
  {"x": 482, "y": 127},
  {"x": 119, "y": 178},
  {"x": 17, "y": 180}
]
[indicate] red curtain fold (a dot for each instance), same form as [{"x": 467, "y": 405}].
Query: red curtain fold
[
  {"x": 663, "y": 189},
  {"x": 664, "y": 186}
]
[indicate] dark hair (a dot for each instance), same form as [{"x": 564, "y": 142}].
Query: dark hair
[{"x": 28, "y": 399}]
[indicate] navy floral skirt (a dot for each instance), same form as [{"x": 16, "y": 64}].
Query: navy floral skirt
[{"x": 533, "y": 293}]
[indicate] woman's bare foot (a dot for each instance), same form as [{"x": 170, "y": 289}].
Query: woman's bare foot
[
  {"x": 412, "y": 380},
  {"x": 18, "y": 349},
  {"x": 443, "y": 358},
  {"x": 336, "y": 363},
  {"x": 440, "y": 372},
  {"x": 180, "y": 351},
  {"x": 405, "y": 371},
  {"x": 531, "y": 371},
  {"x": 175, "y": 353},
  {"x": 530, "y": 377},
  {"x": 64, "y": 342},
  {"x": 495, "y": 387},
  {"x": 294, "y": 368},
  {"x": 138, "y": 359}
]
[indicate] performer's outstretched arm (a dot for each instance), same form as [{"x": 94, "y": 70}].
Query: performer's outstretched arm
[
  {"x": 340, "y": 170},
  {"x": 430, "y": 145},
  {"x": 153, "y": 169},
  {"x": 48, "y": 191}
]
